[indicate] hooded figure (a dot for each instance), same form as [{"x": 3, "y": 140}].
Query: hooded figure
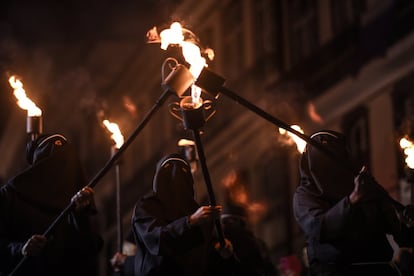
[
  {"x": 33, "y": 199},
  {"x": 169, "y": 240},
  {"x": 344, "y": 236}
]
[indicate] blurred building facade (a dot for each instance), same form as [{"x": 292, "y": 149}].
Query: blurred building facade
[{"x": 343, "y": 65}]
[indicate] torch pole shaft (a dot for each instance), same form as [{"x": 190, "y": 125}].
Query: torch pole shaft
[
  {"x": 118, "y": 208},
  {"x": 207, "y": 180},
  {"x": 164, "y": 96}
]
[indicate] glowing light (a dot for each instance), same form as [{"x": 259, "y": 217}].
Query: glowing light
[
  {"x": 171, "y": 36},
  {"x": 408, "y": 147},
  {"x": 22, "y": 100},
  {"x": 300, "y": 144},
  {"x": 176, "y": 35},
  {"x": 192, "y": 55},
  {"x": 185, "y": 142},
  {"x": 195, "y": 95},
  {"x": 116, "y": 133}
]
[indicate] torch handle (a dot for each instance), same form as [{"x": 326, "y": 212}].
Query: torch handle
[
  {"x": 212, "y": 198},
  {"x": 118, "y": 209}
]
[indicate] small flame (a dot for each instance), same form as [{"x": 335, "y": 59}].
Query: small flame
[
  {"x": 408, "y": 147},
  {"x": 173, "y": 35},
  {"x": 300, "y": 144},
  {"x": 22, "y": 100},
  {"x": 185, "y": 142},
  {"x": 195, "y": 95},
  {"x": 191, "y": 52},
  {"x": 116, "y": 133}
]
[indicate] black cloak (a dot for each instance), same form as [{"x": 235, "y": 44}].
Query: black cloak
[
  {"x": 33, "y": 199},
  {"x": 167, "y": 244},
  {"x": 338, "y": 233}
]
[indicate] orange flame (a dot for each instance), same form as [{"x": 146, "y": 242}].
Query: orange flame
[
  {"x": 185, "y": 142},
  {"x": 300, "y": 144},
  {"x": 191, "y": 52},
  {"x": 408, "y": 147},
  {"x": 175, "y": 35},
  {"x": 116, "y": 133},
  {"x": 22, "y": 100}
]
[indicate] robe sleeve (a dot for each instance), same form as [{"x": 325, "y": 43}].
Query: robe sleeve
[
  {"x": 163, "y": 238},
  {"x": 10, "y": 251},
  {"x": 403, "y": 234},
  {"x": 318, "y": 219}
]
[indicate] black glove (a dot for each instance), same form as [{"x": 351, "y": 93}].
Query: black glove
[
  {"x": 366, "y": 188},
  {"x": 84, "y": 200},
  {"x": 34, "y": 246}
]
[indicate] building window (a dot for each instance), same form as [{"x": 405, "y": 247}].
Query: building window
[
  {"x": 267, "y": 34},
  {"x": 233, "y": 43},
  {"x": 303, "y": 29},
  {"x": 273, "y": 172},
  {"x": 345, "y": 13},
  {"x": 355, "y": 128}
]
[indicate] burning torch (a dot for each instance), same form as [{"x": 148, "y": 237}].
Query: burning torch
[
  {"x": 34, "y": 121},
  {"x": 118, "y": 138},
  {"x": 213, "y": 84},
  {"x": 193, "y": 116}
]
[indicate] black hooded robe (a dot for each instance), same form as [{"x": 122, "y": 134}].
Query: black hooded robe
[
  {"x": 339, "y": 235},
  {"x": 167, "y": 244},
  {"x": 30, "y": 202}
]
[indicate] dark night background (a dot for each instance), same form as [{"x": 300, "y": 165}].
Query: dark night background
[
  {"x": 70, "y": 55},
  {"x": 351, "y": 61}
]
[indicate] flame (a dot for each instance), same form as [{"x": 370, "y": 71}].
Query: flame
[
  {"x": 191, "y": 52},
  {"x": 185, "y": 142},
  {"x": 22, "y": 100},
  {"x": 192, "y": 55},
  {"x": 195, "y": 95},
  {"x": 300, "y": 144},
  {"x": 173, "y": 35},
  {"x": 408, "y": 147},
  {"x": 116, "y": 133}
]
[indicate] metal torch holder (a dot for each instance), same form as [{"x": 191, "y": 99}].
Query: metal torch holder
[
  {"x": 194, "y": 116},
  {"x": 34, "y": 126},
  {"x": 119, "y": 228}
]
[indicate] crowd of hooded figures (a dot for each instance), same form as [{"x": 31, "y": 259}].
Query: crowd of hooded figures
[{"x": 348, "y": 219}]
